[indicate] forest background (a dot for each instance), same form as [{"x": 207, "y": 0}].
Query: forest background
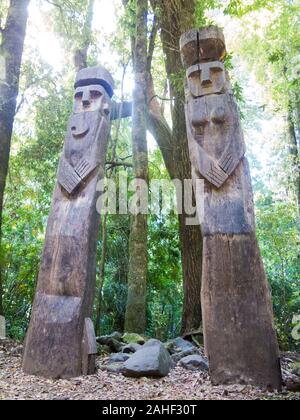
[{"x": 264, "y": 62}]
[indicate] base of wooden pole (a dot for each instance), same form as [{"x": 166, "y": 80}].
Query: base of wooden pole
[
  {"x": 2, "y": 328},
  {"x": 240, "y": 339},
  {"x": 60, "y": 342}
]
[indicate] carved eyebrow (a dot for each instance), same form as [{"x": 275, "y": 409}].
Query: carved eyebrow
[
  {"x": 195, "y": 73},
  {"x": 100, "y": 82},
  {"x": 216, "y": 67}
]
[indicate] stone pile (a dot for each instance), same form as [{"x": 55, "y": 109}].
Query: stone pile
[{"x": 137, "y": 356}]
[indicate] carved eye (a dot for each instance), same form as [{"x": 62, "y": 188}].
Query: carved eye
[
  {"x": 216, "y": 69},
  {"x": 95, "y": 94},
  {"x": 78, "y": 95}
]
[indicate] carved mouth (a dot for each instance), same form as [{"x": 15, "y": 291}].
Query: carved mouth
[{"x": 79, "y": 135}]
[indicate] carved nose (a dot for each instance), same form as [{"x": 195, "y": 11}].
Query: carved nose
[
  {"x": 206, "y": 78},
  {"x": 206, "y": 82},
  {"x": 86, "y": 99}
]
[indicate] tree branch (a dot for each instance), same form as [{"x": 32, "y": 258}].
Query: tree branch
[
  {"x": 152, "y": 41},
  {"x": 118, "y": 164}
]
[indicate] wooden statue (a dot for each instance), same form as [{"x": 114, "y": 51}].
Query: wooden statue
[
  {"x": 240, "y": 339},
  {"x": 2, "y": 328},
  {"x": 60, "y": 341}
]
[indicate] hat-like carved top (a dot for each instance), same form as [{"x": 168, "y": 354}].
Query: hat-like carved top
[
  {"x": 95, "y": 76},
  {"x": 200, "y": 45}
]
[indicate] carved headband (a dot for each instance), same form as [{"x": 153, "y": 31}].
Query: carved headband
[{"x": 101, "y": 82}]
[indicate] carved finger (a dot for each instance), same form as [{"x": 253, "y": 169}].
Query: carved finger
[
  {"x": 227, "y": 163},
  {"x": 70, "y": 181},
  {"x": 67, "y": 177},
  {"x": 81, "y": 167},
  {"x": 216, "y": 176},
  {"x": 231, "y": 166},
  {"x": 224, "y": 161},
  {"x": 219, "y": 173},
  {"x": 84, "y": 168},
  {"x": 214, "y": 181}
]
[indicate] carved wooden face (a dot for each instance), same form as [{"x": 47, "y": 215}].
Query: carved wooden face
[
  {"x": 206, "y": 79},
  {"x": 90, "y": 98}
]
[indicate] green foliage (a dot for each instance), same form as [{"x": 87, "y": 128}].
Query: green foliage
[
  {"x": 116, "y": 272},
  {"x": 176, "y": 80},
  {"x": 165, "y": 294},
  {"x": 239, "y": 7},
  {"x": 278, "y": 234},
  {"x": 202, "y": 6},
  {"x": 271, "y": 48}
]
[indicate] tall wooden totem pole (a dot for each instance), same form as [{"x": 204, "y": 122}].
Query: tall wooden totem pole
[
  {"x": 60, "y": 342},
  {"x": 240, "y": 339}
]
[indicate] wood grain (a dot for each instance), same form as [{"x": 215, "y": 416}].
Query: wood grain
[
  {"x": 60, "y": 341},
  {"x": 240, "y": 338}
]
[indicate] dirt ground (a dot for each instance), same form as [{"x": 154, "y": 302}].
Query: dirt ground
[{"x": 179, "y": 385}]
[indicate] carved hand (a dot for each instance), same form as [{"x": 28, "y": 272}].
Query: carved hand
[
  {"x": 207, "y": 167},
  {"x": 84, "y": 168},
  {"x": 216, "y": 175},
  {"x": 227, "y": 163},
  {"x": 233, "y": 154},
  {"x": 67, "y": 177}
]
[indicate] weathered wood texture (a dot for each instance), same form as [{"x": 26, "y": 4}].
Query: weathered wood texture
[
  {"x": 2, "y": 327},
  {"x": 60, "y": 342},
  {"x": 237, "y": 313},
  {"x": 240, "y": 339}
]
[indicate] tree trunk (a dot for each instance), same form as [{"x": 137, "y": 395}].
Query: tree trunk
[
  {"x": 11, "y": 50},
  {"x": 176, "y": 17},
  {"x": 135, "y": 318},
  {"x": 101, "y": 274},
  {"x": 80, "y": 55},
  {"x": 294, "y": 152}
]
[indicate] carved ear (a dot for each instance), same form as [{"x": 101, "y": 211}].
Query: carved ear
[{"x": 218, "y": 115}]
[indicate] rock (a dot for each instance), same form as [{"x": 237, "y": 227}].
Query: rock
[
  {"x": 118, "y": 357},
  {"x": 133, "y": 338},
  {"x": 132, "y": 348},
  {"x": 2, "y": 328},
  {"x": 152, "y": 360},
  {"x": 114, "y": 345},
  {"x": 17, "y": 351},
  {"x": 194, "y": 362},
  {"x": 103, "y": 350},
  {"x": 178, "y": 356},
  {"x": 293, "y": 383},
  {"x": 196, "y": 335},
  {"x": 179, "y": 345},
  {"x": 116, "y": 336},
  {"x": 296, "y": 369},
  {"x": 113, "y": 367}
]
